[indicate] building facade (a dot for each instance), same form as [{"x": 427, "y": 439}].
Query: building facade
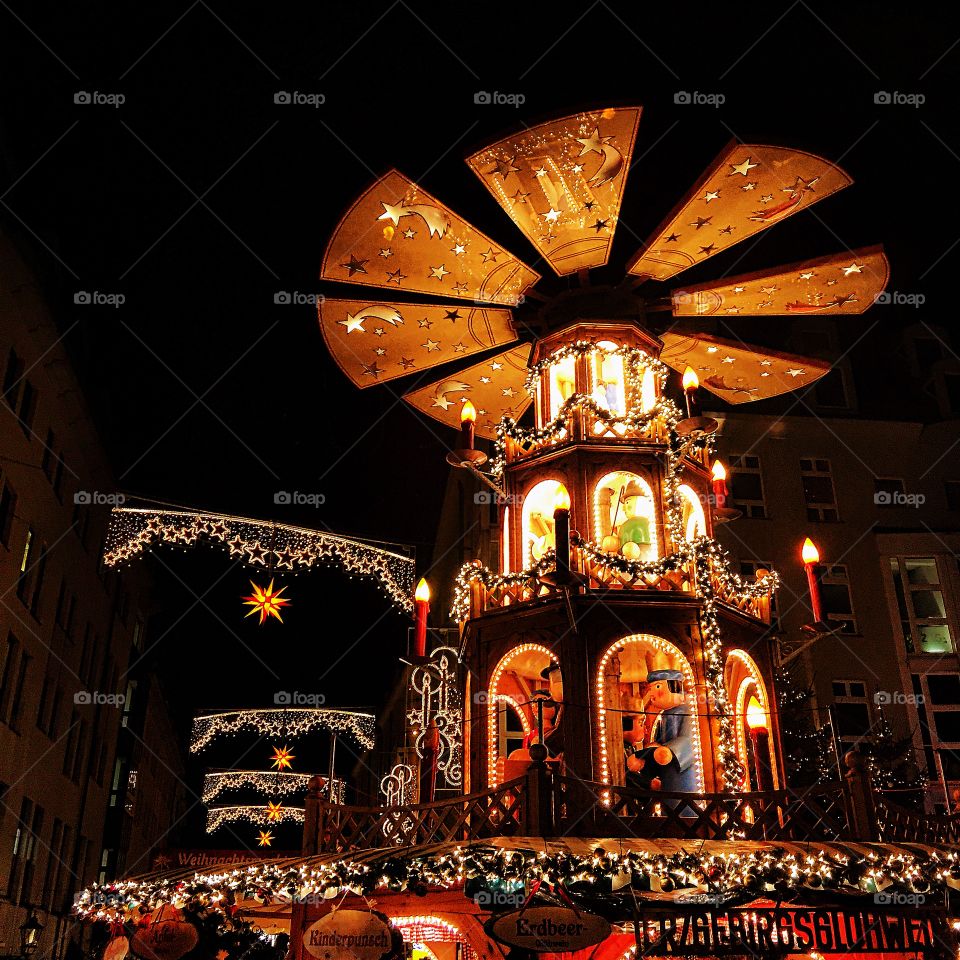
[{"x": 76, "y": 713}]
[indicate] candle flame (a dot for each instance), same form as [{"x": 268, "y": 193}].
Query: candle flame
[
  {"x": 756, "y": 718},
  {"x": 388, "y": 232},
  {"x": 690, "y": 379},
  {"x": 719, "y": 471},
  {"x": 468, "y": 412},
  {"x": 561, "y": 500},
  {"x": 422, "y": 592},
  {"x": 810, "y": 553}
]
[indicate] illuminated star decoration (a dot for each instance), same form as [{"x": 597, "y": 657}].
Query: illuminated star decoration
[
  {"x": 282, "y": 758},
  {"x": 265, "y": 838},
  {"x": 274, "y": 811},
  {"x": 266, "y": 601}
]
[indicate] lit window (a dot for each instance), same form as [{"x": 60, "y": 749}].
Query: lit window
[
  {"x": 625, "y": 513},
  {"x": 563, "y": 383},
  {"x": 924, "y": 623},
  {"x": 537, "y": 520},
  {"x": 609, "y": 380}
]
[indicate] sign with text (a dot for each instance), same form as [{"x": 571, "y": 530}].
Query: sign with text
[
  {"x": 348, "y": 935},
  {"x": 723, "y": 931},
  {"x": 166, "y": 937},
  {"x": 548, "y": 929}
]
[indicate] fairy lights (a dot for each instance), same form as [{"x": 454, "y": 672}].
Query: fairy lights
[
  {"x": 252, "y": 813},
  {"x": 271, "y": 783},
  {"x": 267, "y": 545},
  {"x": 763, "y": 869},
  {"x": 280, "y": 722}
]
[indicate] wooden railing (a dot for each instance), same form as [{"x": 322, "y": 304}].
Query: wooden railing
[
  {"x": 582, "y": 808},
  {"x": 489, "y": 813},
  {"x": 897, "y": 823}
]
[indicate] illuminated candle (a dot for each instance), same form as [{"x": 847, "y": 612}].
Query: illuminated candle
[
  {"x": 719, "y": 484},
  {"x": 468, "y": 417},
  {"x": 690, "y": 383},
  {"x": 561, "y": 527},
  {"x": 760, "y": 740},
  {"x": 811, "y": 557},
  {"x": 422, "y": 604}
]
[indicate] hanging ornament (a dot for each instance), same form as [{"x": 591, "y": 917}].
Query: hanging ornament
[
  {"x": 282, "y": 758},
  {"x": 265, "y": 838},
  {"x": 267, "y": 602},
  {"x": 274, "y": 811}
]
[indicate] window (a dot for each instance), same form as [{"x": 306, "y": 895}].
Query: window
[
  {"x": 53, "y": 865},
  {"x": 924, "y": 623},
  {"x": 48, "y": 458},
  {"x": 12, "y": 681},
  {"x": 25, "y": 842},
  {"x": 609, "y": 384},
  {"x": 11, "y": 379},
  {"x": 746, "y": 485},
  {"x": 28, "y": 407},
  {"x": 537, "y": 520},
  {"x": 851, "y": 712},
  {"x": 818, "y": 492},
  {"x": 835, "y": 597},
  {"x": 888, "y": 491},
  {"x": 625, "y": 513},
  {"x": 562, "y": 383},
  {"x": 33, "y": 565},
  {"x": 8, "y": 506}
]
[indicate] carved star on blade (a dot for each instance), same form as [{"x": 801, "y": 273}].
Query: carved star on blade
[
  {"x": 504, "y": 168},
  {"x": 752, "y": 185},
  {"x": 801, "y": 186},
  {"x": 551, "y": 216},
  {"x": 771, "y": 289},
  {"x": 849, "y": 298},
  {"x": 485, "y": 380},
  {"x": 372, "y": 370},
  {"x": 353, "y": 265},
  {"x": 460, "y": 288},
  {"x": 728, "y": 360},
  {"x": 853, "y": 268},
  {"x": 766, "y": 363},
  {"x": 409, "y": 233},
  {"x": 594, "y": 143},
  {"x": 711, "y": 195},
  {"x": 379, "y": 351},
  {"x": 490, "y": 255},
  {"x": 589, "y": 205},
  {"x": 425, "y": 322},
  {"x": 708, "y": 249},
  {"x": 508, "y": 391},
  {"x": 439, "y": 272},
  {"x": 395, "y": 277},
  {"x": 807, "y": 275},
  {"x": 458, "y": 249},
  {"x": 459, "y": 347},
  {"x": 496, "y": 365},
  {"x": 673, "y": 238},
  {"x": 727, "y": 229},
  {"x": 540, "y": 172},
  {"x": 701, "y": 222},
  {"x": 353, "y": 323},
  {"x": 739, "y": 289},
  {"x": 794, "y": 372},
  {"x": 442, "y": 402},
  {"x": 600, "y": 224},
  {"x": 405, "y": 363},
  {"x": 519, "y": 197},
  {"x": 742, "y": 167},
  {"x": 386, "y": 252},
  {"x": 452, "y": 315},
  {"x": 379, "y": 331},
  {"x": 431, "y": 345}
]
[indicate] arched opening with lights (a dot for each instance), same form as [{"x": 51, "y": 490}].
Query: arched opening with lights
[
  {"x": 527, "y": 674},
  {"x": 625, "y": 516},
  {"x": 692, "y": 517},
  {"x": 536, "y": 520},
  {"x": 751, "y": 705},
  {"x": 608, "y": 380},
  {"x": 433, "y": 938},
  {"x": 646, "y": 699}
]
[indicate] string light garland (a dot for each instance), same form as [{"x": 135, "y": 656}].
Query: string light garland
[
  {"x": 272, "y": 546},
  {"x": 251, "y": 813},
  {"x": 864, "y": 871},
  {"x": 281, "y": 722},
  {"x": 713, "y": 578},
  {"x": 270, "y": 783}
]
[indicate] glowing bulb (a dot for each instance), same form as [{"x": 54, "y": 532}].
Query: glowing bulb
[
  {"x": 756, "y": 718},
  {"x": 561, "y": 500},
  {"x": 810, "y": 553},
  {"x": 690, "y": 379},
  {"x": 422, "y": 592},
  {"x": 468, "y": 412},
  {"x": 388, "y": 232},
  {"x": 719, "y": 471}
]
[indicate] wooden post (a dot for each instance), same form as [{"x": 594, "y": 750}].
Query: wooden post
[
  {"x": 861, "y": 806},
  {"x": 538, "y": 815},
  {"x": 313, "y": 816}
]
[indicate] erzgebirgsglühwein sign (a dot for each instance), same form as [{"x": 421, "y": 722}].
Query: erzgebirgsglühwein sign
[
  {"x": 348, "y": 935},
  {"x": 548, "y": 929},
  {"x": 722, "y": 931}
]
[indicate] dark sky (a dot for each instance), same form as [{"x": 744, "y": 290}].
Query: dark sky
[{"x": 199, "y": 198}]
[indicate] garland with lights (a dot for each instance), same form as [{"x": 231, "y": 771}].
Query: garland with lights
[
  {"x": 281, "y": 722},
  {"x": 273, "y": 546},
  {"x": 710, "y": 563},
  {"x": 272, "y": 783},
  {"x": 865, "y": 871},
  {"x": 255, "y": 814}
]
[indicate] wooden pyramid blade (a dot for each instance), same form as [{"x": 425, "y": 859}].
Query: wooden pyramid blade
[
  {"x": 398, "y": 237},
  {"x": 376, "y": 341},
  {"x": 845, "y": 283},
  {"x": 739, "y": 372},
  {"x": 494, "y": 386},
  {"x": 562, "y": 182},
  {"x": 750, "y": 187}
]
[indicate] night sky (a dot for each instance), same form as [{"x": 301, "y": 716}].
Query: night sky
[{"x": 199, "y": 199}]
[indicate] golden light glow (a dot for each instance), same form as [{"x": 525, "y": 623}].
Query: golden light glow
[
  {"x": 265, "y": 838},
  {"x": 810, "y": 553},
  {"x": 282, "y": 758},
  {"x": 468, "y": 412},
  {"x": 690, "y": 379},
  {"x": 422, "y": 592},
  {"x": 561, "y": 500},
  {"x": 756, "y": 718},
  {"x": 266, "y": 601},
  {"x": 719, "y": 471},
  {"x": 274, "y": 811},
  {"x": 388, "y": 232}
]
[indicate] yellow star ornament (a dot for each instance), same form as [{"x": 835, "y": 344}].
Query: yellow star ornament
[
  {"x": 266, "y": 601},
  {"x": 265, "y": 838},
  {"x": 282, "y": 758},
  {"x": 274, "y": 811}
]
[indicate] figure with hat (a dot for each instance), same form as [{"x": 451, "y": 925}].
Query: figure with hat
[{"x": 664, "y": 758}]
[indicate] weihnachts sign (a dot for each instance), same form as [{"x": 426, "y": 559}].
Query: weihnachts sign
[
  {"x": 718, "y": 931},
  {"x": 548, "y": 929}
]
